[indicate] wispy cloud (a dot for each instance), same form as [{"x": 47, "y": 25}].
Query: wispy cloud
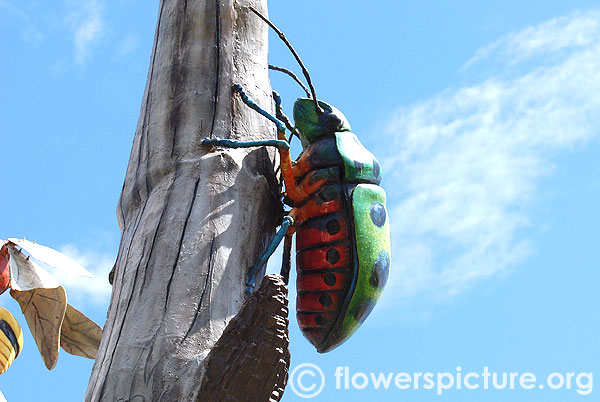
[
  {"x": 87, "y": 23},
  {"x": 470, "y": 160},
  {"x": 554, "y": 38},
  {"x": 81, "y": 290},
  {"x": 29, "y": 32}
]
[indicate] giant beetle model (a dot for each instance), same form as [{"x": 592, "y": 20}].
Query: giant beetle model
[{"x": 338, "y": 212}]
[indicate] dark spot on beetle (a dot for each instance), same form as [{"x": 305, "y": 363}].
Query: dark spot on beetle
[
  {"x": 330, "y": 279},
  {"x": 378, "y": 214},
  {"x": 320, "y": 320},
  {"x": 363, "y": 311},
  {"x": 333, "y": 256},
  {"x": 325, "y": 300},
  {"x": 333, "y": 226},
  {"x": 359, "y": 166},
  {"x": 376, "y": 169},
  {"x": 327, "y": 194},
  {"x": 380, "y": 270}
]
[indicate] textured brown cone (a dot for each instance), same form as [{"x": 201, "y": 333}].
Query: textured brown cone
[{"x": 253, "y": 350}]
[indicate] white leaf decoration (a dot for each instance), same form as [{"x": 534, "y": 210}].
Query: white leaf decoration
[
  {"x": 52, "y": 257},
  {"x": 26, "y": 274}
]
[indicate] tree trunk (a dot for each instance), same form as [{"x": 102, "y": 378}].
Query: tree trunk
[{"x": 192, "y": 221}]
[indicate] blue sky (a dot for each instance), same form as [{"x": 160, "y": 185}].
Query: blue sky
[{"x": 484, "y": 117}]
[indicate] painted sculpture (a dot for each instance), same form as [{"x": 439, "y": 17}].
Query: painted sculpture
[
  {"x": 337, "y": 211},
  {"x": 11, "y": 339},
  {"x": 52, "y": 321}
]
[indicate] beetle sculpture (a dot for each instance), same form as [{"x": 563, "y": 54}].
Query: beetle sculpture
[{"x": 337, "y": 212}]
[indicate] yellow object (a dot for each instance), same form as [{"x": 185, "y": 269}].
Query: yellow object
[{"x": 11, "y": 339}]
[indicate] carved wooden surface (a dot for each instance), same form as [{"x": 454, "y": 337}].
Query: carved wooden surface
[{"x": 191, "y": 221}]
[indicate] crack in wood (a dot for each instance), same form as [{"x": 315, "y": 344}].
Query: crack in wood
[
  {"x": 183, "y": 231},
  {"x": 206, "y": 285},
  {"x": 217, "y": 65},
  {"x": 174, "y": 141},
  {"x": 137, "y": 270},
  {"x": 154, "y": 239}
]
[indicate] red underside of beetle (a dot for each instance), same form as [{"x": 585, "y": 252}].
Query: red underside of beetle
[
  {"x": 325, "y": 260},
  {"x": 325, "y": 266}
]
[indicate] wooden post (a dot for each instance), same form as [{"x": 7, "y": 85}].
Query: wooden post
[{"x": 192, "y": 220}]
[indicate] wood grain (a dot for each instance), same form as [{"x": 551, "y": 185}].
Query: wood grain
[{"x": 192, "y": 222}]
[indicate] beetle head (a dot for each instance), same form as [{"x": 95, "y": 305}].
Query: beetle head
[{"x": 312, "y": 126}]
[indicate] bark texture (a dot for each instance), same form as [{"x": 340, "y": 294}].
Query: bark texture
[{"x": 191, "y": 221}]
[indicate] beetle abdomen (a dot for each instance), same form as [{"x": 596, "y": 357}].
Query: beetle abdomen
[
  {"x": 325, "y": 262},
  {"x": 342, "y": 239}
]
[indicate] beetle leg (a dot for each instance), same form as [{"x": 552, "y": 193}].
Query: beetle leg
[
  {"x": 286, "y": 161},
  {"x": 292, "y": 191},
  {"x": 287, "y": 258},
  {"x": 246, "y": 99},
  {"x": 280, "y": 143},
  {"x": 226, "y": 143},
  {"x": 288, "y": 221}
]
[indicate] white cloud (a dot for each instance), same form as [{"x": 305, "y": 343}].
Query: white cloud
[
  {"x": 470, "y": 159},
  {"x": 548, "y": 39},
  {"x": 87, "y": 23},
  {"x": 81, "y": 290}
]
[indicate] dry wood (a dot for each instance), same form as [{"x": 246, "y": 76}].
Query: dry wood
[{"x": 192, "y": 222}]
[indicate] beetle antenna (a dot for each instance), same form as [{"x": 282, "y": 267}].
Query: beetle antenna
[
  {"x": 291, "y": 74},
  {"x": 289, "y": 45},
  {"x": 281, "y": 116}
]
